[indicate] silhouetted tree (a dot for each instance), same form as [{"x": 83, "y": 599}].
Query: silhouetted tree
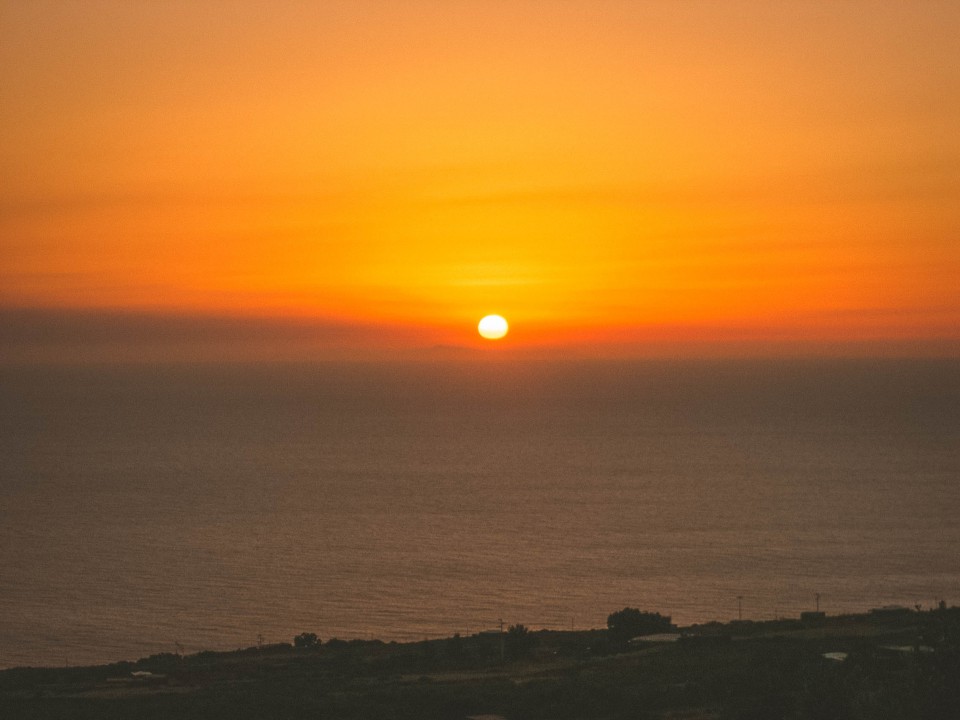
[
  {"x": 630, "y": 622},
  {"x": 428, "y": 651},
  {"x": 306, "y": 641},
  {"x": 454, "y": 647},
  {"x": 519, "y": 641}
]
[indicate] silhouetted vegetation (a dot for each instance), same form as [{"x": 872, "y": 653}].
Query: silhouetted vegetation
[
  {"x": 903, "y": 667},
  {"x": 519, "y": 642},
  {"x": 630, "y": 623},
  {"x": 306, "y": 641}
]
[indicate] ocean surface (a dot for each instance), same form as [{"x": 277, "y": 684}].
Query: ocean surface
[{"x": 146, "y": 506}]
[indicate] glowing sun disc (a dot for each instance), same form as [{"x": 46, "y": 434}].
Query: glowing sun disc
[{"x": 493, "y": 327}]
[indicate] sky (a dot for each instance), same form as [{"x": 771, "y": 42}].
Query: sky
[{"x": 325, "y": 179}]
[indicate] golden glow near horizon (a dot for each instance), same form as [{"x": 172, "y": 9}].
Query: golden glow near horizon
[
  {"x": 493, "y": 327},
  {"x": 605, "y": 172}
]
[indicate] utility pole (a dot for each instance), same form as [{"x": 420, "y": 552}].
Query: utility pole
[
  {"x": 818, "y": 602},
  {"x": 739, "y": 607}
]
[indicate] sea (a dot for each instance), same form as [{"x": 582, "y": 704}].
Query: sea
[{"x": 177, "y": 508}]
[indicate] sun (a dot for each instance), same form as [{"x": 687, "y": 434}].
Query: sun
[{"x": 493, "y": 327}]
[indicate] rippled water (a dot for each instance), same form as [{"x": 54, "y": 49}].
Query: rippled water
[{"x": 144, "y": 506}]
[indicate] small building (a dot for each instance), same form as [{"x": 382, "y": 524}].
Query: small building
[{"x": 890, "y": 611}]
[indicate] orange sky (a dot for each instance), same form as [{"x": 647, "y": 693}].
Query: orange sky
[{"x": 614, "y": 176}]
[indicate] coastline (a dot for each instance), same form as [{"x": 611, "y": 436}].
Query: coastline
[{"x": 800, "y": 667}]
